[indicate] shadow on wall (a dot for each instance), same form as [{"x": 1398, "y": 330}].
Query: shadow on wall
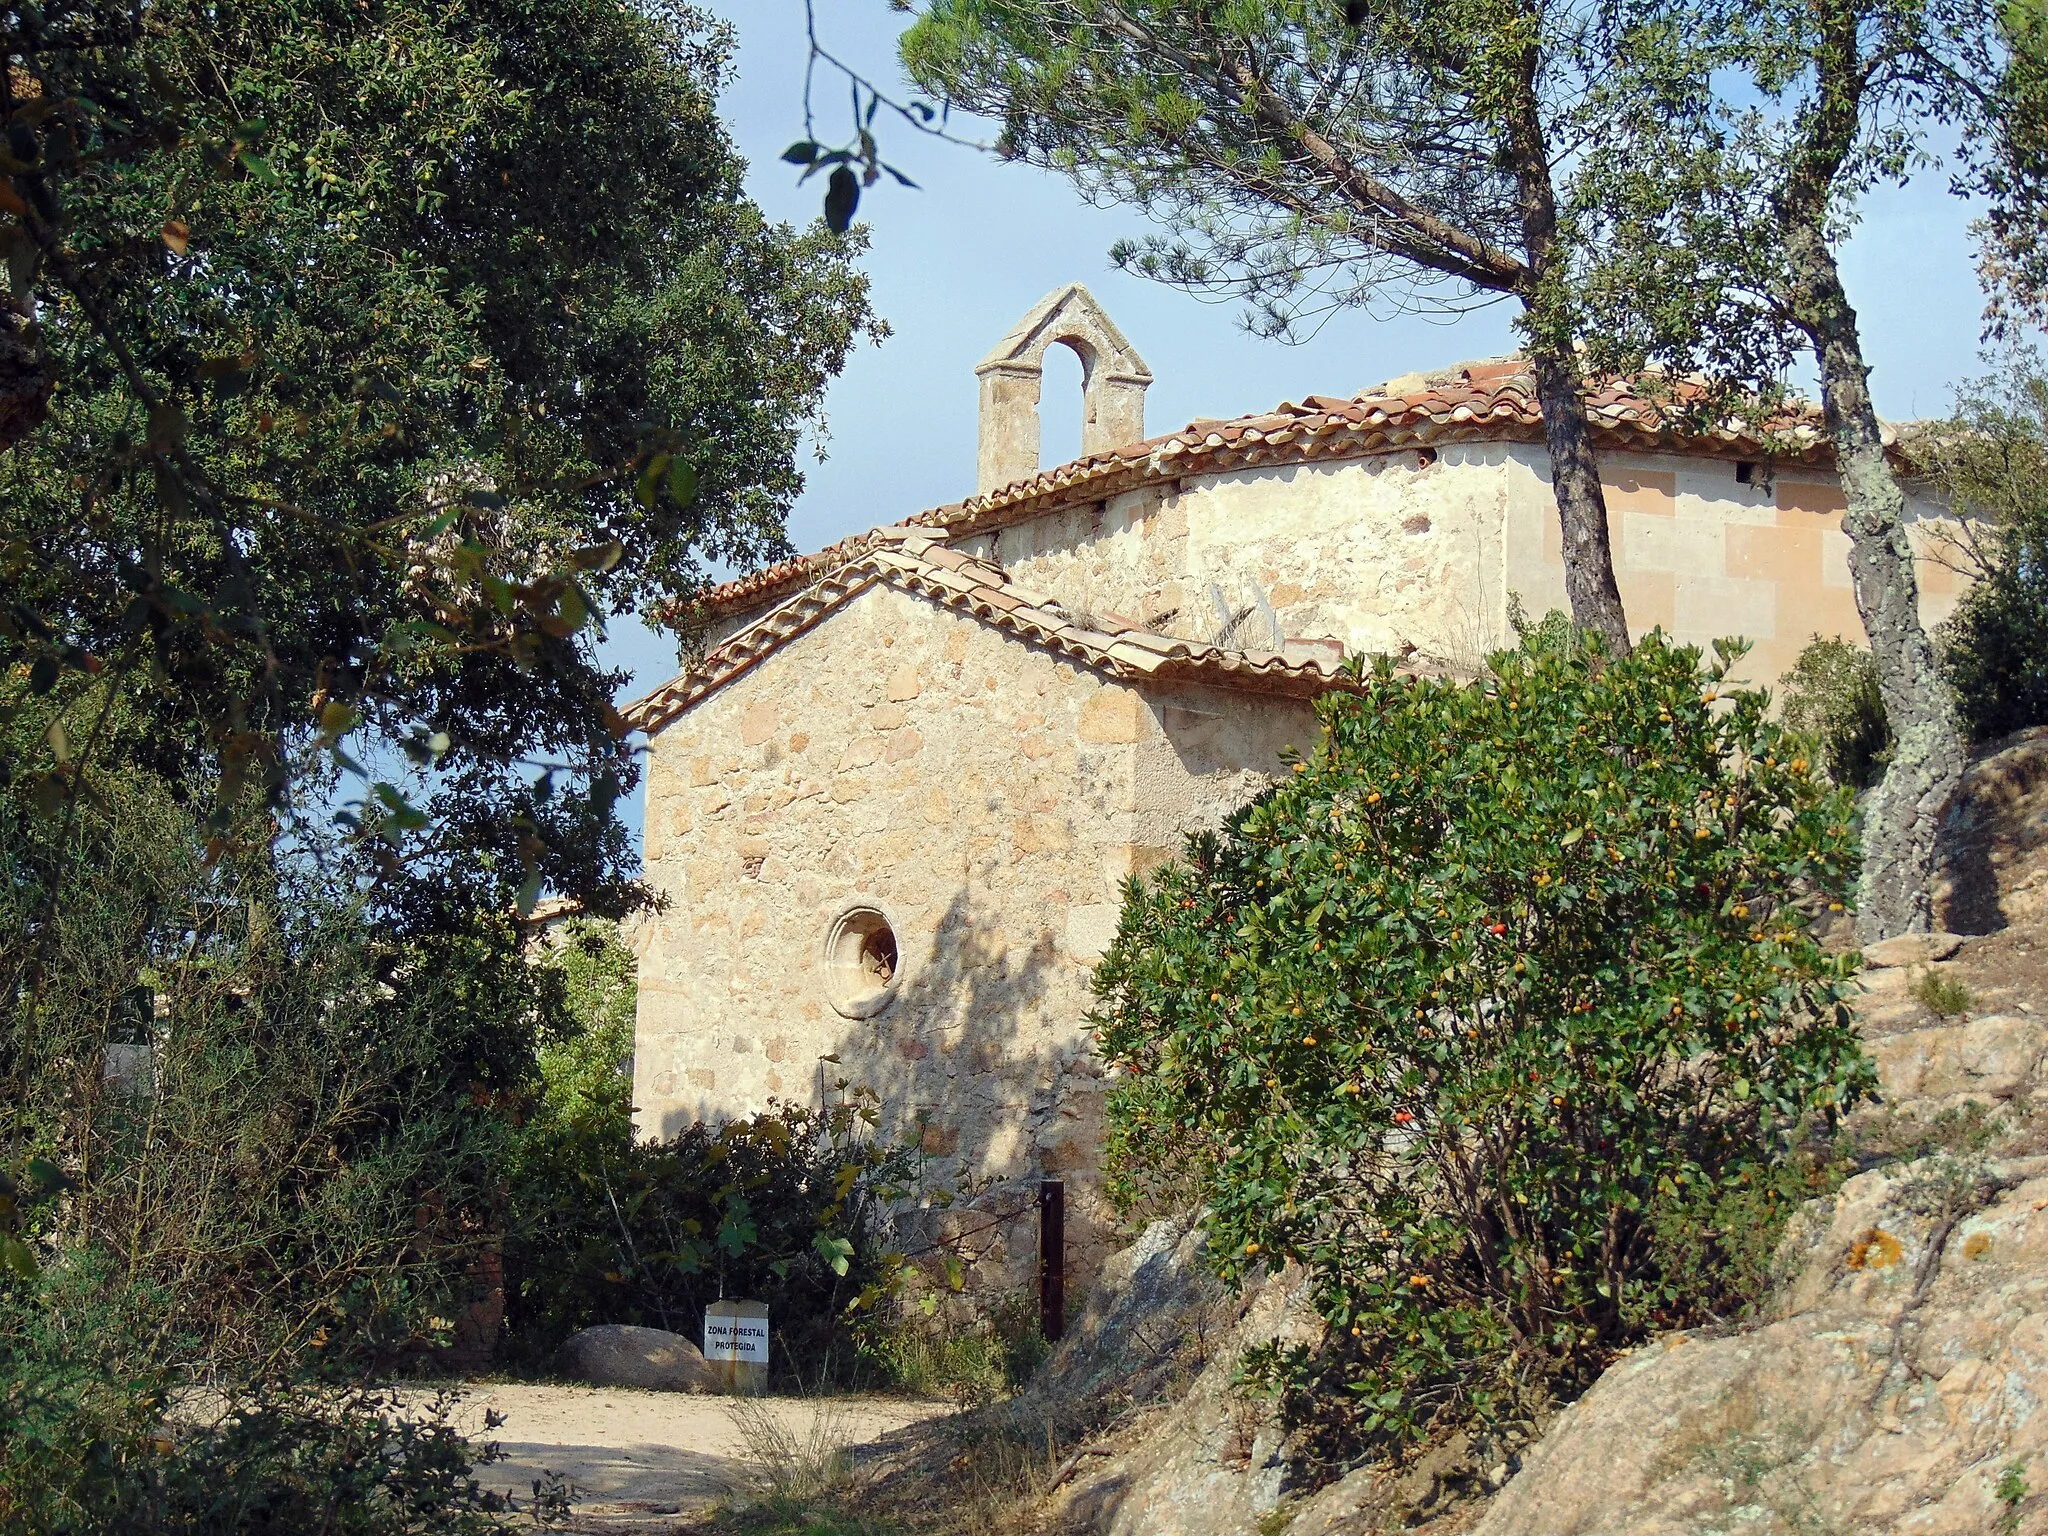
[{"x": 985, "y": 1061}]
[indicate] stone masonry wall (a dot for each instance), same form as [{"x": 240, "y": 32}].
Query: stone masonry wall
[
  {"x": 989, "y": 799},
  {"x": 1377, "y": 552}
]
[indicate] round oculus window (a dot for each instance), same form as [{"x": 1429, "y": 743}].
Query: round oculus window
[{"x": 862, "y": 967}]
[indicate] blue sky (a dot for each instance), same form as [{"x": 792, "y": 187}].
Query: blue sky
[{"x": 955, "y": 264}]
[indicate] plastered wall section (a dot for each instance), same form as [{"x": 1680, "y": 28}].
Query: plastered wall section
[
  {"x": 1706, "y": 556},
  {"x": 1375, "y": 552},
  {"x": 990, "y": 799},
  {"x": 1392, "y": 550}
]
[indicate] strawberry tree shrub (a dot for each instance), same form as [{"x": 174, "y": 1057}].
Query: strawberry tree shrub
[{"x": 1502, "y": 1014}]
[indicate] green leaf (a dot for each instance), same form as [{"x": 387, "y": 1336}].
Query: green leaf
[
  {"x": 598, "y": 557},
  {"x": 737, "y": 1233},
  {"x": 649, "y": 483},
  {"x": 682, "y": 481},
  {"x": 403, "y": 813},
  {"x": 17, "y": 1256},
  {"x": 42, "y": 676},
  {"x": 842, "y": 200},
  {"x": 572, "y": 606},
  {"x": 837, "y": 1252},
  {"x": 802, "y": 152},
  {"x": 258, "y": 167}
]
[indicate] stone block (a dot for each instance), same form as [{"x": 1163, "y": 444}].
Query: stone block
[
  {"x": 904, "y": 684},
  {"x": 1040, "y": 834},
  {"x": 1910, "y": 949},
  {"x": 1811, "y": 499},
  {"x": 758, "y": 723},
  {"x": 1090, "y": 928},
  {"x": 1112, "y": 715},
  {"x": 622, "y": 1355},
  {"x": 1642, "y": 491}
]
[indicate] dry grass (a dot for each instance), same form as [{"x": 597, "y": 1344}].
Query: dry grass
[{"x": 804, "y": 1463}]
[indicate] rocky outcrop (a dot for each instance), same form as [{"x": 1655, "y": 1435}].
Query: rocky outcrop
[
  {"x": 1987, "y": 1061},
  {"x": 1899, "y": 1384},
  {"x": 1152, "y": 1320},
  {"x": 1211, "y": 1464},
  {"x": 1905, "y": 1380},
  {"x": 1896, "y": 1387},
  {"x": 622, "y": 1355}
]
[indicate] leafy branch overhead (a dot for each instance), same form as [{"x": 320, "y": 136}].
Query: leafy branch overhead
[
  {"x": 857, "y": 163},
  {"x": 1309, "y": 157}
]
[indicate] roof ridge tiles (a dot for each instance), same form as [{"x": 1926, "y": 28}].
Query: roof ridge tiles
[
  {"x": 993, "y": 599},
  {"x": 1486, "y": 398}
]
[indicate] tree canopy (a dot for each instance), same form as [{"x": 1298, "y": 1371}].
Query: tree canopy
[
  {"x": 1712, "y": 231},
  {"x": 1307, "y": 155},
  {"x": 394, "y": 345}
]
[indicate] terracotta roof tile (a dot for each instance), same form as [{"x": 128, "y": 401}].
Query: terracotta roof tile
[
  {"x": 1116, "y": 647},
  {"x": 1490, "y": 399}
]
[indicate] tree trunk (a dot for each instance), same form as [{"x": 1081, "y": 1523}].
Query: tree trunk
[
  {"x": 1550, "y": 324},
  {"x": 1581, "y": 503},
  {"x": 1903, "y": 816}
]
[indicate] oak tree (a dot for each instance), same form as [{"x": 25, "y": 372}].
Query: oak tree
[
  {"x": 1713, "y": 227},
  {"x": 386, "y": 348}
]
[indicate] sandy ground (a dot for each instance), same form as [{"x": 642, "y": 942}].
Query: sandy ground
[{"x": 641, "y": 1460}]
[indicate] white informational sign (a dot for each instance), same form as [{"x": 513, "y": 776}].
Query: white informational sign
[{"x": 736, "y": 1330}]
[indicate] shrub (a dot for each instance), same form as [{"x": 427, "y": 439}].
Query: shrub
[
  {"x": 790, "y": 1207},
  {"x": 1831, "y": 693},
  {"x": 286, "y": 1120},
  {"x": 1942, "y": 994},
  {"x": 585, "y": 1062},
  {"x": 1991, "y": 461},
  {"x": 1469, "y": 1012},
  {"x": 100, "y": 1439},
  {"x": 929, "y": 1351}
]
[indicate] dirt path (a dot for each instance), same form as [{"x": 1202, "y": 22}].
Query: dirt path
[{"x": 644, "y": 1460}]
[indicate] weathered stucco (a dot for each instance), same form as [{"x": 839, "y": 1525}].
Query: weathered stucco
[
  {"x": 990, "y": 800},
  {"x": 1425, "y": 549}
]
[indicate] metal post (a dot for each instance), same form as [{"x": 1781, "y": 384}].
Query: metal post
[{"x": 1052, "y": 1258}]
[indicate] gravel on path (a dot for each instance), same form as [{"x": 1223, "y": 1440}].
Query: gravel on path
[{"x": 642, "y": 1460}]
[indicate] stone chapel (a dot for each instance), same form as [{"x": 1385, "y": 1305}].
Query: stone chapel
[{"x": 892, "y": 802}]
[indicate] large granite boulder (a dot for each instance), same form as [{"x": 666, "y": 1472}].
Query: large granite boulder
[
  {"x": 1899, "y": 1392},
  {"x": 622, "y": 1355}
]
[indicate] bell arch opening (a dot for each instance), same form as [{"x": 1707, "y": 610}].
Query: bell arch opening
[{"x": 1062, "y": 403}]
